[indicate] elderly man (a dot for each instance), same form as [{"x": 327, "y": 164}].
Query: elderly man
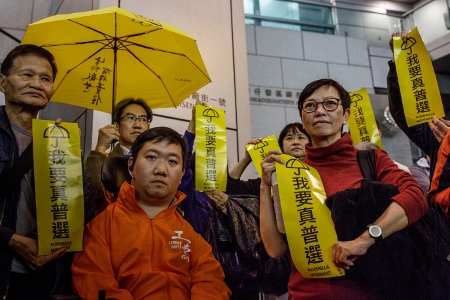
[
  {"x": 130, "y": 118},
  {"x": 140, "y": 247},
  {"x": 26, "y": 79}
]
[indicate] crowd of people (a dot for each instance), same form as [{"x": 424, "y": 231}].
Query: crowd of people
[{"x": 161, "y": 238}]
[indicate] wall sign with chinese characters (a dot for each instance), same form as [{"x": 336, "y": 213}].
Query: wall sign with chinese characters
[
  {"x": 58, "y": 186},
  {"x": 307, "y": 220},
  {"x": 277, "y": 96},
  {"x": 418, "y": 85},
  {"x": 361, "y": 122},
  {"x": 211, "y": 149}
]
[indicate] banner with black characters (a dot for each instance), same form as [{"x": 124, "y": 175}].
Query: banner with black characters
[
  {"x": 307, "y": 220},
  {"x": 58, "y": 186},
  {"x": 211, "y": 149},
  {"x": 418, "y": 85}
]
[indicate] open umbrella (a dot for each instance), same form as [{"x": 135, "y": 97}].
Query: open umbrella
[{"x": 108, "y": 54}]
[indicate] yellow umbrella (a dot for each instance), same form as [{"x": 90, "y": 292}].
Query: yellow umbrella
[{"x": 108, "y": 54}]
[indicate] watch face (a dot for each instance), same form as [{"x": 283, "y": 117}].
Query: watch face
[{"x": 375, "y": 231}]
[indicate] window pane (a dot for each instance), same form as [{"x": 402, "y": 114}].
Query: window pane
[
  {"x": 279, "y": 9},
  {"x": 315, "y": 14},
  {"x": 249, "y": 21},
  {"x": 249, "y": 7},
  {"x": 280, "y": 25}
]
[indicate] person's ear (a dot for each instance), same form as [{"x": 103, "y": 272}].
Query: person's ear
[
  {"x": 346, "y": 115},
  {"x": 2, "y": 83},
  {"x": 130, "y": 166}
]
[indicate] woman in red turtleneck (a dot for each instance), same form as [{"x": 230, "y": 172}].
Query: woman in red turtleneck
[{"x": 324, "y": 108}]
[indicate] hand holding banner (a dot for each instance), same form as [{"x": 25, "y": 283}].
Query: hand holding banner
[
  {"x": 418, "y": 85},
  {"x": 211, "y": 149},
  {"x": 258, "y": 152},
  {"x": 309, "y": 228}
]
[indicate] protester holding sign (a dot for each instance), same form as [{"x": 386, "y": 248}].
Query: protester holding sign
[
  {"x": 426, "y": 136},
  {"x": 324, "y": 108},
  {"x": 130, "y": 118},
  {"x": 140, "y": 247},
  {"x": 205, "y": 215},
  {"x": 26, "y": 79},
  {"x": 292, "y": 141}
]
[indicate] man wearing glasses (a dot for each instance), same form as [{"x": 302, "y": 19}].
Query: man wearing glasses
[{"x": 130, "y": 117}]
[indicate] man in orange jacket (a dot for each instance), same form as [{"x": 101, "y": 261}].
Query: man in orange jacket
[{"x": 140, "y": 247}]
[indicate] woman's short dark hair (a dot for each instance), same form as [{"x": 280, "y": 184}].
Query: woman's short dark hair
[
  {"x": 24, "y": 50},
  {"x": 156, "y": 135},
  {"x": 313, "y": 86},
  {"x": 120, "y": 107},
  {"x": 292, "y": 127}
]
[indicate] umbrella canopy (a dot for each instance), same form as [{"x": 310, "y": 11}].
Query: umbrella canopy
[{"x": 109, "y": 54}]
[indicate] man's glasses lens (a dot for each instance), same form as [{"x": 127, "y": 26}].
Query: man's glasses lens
[
  {"x": 328, "y": 104},
  {"x": 132, "y": 119}
]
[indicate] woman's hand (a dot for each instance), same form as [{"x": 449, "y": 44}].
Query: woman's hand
[
  {"x": 345, "y": 253},
  {"x": 220, "y": 198},
  {"x": 268, "y": 166}
]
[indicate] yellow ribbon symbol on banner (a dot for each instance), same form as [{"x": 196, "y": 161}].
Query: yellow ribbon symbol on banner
[
  {"x": 58, "y": 186},
  {"x": 307, "y": 220},
  {"x": 211, "y": 149},
  {"x": 418, "y": 85},
  {"x": 361, "y": 123},
  {"x": 258, "y": 152}
]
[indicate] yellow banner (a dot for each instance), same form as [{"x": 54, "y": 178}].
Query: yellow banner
[
  {"x": 58, "y": 186},
  {"x": 258, "y": 152},
  {"x": 361, "y": 123},
  {"x": 211, "y": 149},
  {"x": 307, "y": 220},
  {"x": 418, "y": 85}
]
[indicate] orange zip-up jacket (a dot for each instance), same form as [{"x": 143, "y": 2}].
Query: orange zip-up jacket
[
  {"x": 440, "y": 184},
  {"x": 133, "y": 257}
]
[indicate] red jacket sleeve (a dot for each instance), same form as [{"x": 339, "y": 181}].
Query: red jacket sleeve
[{"x": 440, "y": 184}]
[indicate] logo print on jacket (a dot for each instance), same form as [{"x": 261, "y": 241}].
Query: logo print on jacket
[{"x": 179, "y": 242}]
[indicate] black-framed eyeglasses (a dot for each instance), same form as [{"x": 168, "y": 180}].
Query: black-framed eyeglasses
[
  {"x": 132, "y": 118},
  {"x": 329, "y": 104}
]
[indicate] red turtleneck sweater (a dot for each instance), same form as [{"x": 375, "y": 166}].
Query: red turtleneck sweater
[{"x": 339, "y": 170}]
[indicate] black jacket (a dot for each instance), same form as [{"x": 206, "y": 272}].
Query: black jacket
[
  {"x": 421, "y": 134},
  {"x": 405, "y": 265},
  {"x": 8, "y": 214}
]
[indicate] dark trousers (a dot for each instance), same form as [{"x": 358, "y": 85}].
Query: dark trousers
[
  {"x": 248, "y": 290},
  {"x": 35, "y": 285}
]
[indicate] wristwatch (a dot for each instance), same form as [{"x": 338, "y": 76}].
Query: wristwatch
[{"x": 375, "y": 232}]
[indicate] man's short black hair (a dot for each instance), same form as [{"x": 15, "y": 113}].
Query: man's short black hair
[
  {"x": 27, "y": 49},
  {"x": 156, "y": 135},
  {"x": 120, "y": 106},
  {"x": 311, "y": 87},
  {"x": 292, "y": 127}
]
